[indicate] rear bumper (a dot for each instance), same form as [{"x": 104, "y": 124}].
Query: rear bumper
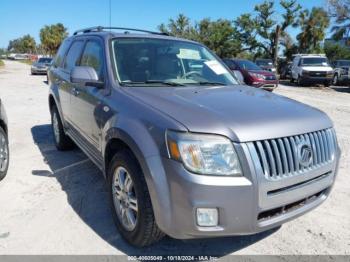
[{"x": 244, "y": 203}]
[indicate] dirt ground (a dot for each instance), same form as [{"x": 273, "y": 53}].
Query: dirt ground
[{"x": 56, "y": 202}]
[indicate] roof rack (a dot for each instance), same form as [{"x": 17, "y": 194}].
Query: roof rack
[{"x": 102, "y": 28}]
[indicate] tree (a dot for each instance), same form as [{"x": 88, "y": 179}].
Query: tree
[
  {"x": 313, "y": 27},
  {"x": 179, "y": 27},
  {"x": 25, "y": 44},
  {"x": 220, "y": 35},
  {"x": 51, "y": 37},
  {"x": 336, "y": 51},
  {"x": 340, "y": 11},
  {"x": 261, "y": 32}
]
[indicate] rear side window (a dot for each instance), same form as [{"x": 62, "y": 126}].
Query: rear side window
[
  {"x": 73, "y": 55},
  {"x": 93, "y": 57},
  {"x": 60, "y": 54}
]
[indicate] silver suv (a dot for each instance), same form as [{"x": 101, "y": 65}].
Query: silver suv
[{"x": 186, "y": 150}]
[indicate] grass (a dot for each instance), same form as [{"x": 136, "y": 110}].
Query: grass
[{"x": 2, "y": 63}]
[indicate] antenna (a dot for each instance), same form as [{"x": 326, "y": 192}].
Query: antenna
[{"x": 110, "y": 13}]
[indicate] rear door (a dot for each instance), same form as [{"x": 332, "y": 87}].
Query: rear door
[
  {"x": 87, "y": 100},
  {"x": 65, "y": 87}
]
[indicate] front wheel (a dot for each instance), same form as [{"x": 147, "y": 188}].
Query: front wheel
[
  {"x": 130, "y": 201},
  {"x": 4, "y": 154},
  {"x": 335, "y": 80}
]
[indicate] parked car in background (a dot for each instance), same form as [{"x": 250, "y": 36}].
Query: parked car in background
[
  {"x": 4, "y": 144},
  {"x": 17, "y": 56},
  {"x": 266, "y": 64},
  {"x": 286, "y": 70},
  {"x": 341, "y": 72},
  {"x": 41, "y": 66},
  {"x": 311, "y": 69},
  {"x": 253, "y": 75}
]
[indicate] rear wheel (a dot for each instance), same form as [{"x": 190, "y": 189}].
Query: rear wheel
[
  {"x": 4, "y": 153},
  {"x": 130, "y": 201},
  {"x": 62, "y": 141}
]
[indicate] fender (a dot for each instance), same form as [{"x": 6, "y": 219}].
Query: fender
[{"x": 139, "y": 139}]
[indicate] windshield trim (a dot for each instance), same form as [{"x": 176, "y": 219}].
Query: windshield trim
[{"x": 114, "y": 64}]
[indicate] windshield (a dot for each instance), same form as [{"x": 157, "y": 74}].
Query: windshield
[
  {"x": 315, "y": 61},
  {"x": 158, "y": 62},
  {"x": 247, "y": 65},
  {"x": 264, "y": 62},
  {"x": 344, "y": 63},
  {"x": 45, "y": 60}
]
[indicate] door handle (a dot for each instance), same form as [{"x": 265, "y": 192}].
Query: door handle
[{"x": 75, "y": 91}]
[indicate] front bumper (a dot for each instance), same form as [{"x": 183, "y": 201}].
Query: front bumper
[
  {"x": 266, "y": 85},
  {"x": 244, "y": 203},
  {"x": 316, "y": 80}
]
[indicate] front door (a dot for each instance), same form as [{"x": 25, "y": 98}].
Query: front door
[{"x": 86, "y": 100}]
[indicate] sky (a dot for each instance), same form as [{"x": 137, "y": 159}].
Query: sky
[{"x": 20, "y": 17}]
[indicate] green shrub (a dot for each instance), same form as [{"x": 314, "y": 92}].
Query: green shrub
[{"x": 336, "y": 51}]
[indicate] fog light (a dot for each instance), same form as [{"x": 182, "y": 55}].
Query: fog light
[{"x": 207, "y": 217}]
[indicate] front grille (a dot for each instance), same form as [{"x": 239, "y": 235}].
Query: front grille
[
  {"x": 317, "y": 74},
  {"x": 280, "y": 158}
]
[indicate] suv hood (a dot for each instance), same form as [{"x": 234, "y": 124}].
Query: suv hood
[{"x": 241, "y": 113}]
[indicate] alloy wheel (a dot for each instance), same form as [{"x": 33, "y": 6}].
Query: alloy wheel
[
  {"x": 3, "y": 153},
  {"x": 124, "y": 198}
]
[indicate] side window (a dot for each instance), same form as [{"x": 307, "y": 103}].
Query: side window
[
  {"x": 60, "y": 54},
  {"x": 300, "y": 61},
  {"x": 93, "y": 57},
  {"x": 73, "y": 55}
]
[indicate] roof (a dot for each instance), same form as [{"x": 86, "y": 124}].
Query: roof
[{"x": 108, "y": 33}]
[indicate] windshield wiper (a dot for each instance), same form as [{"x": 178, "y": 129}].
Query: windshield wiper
[
  {"x": 208, "y": 83},
  {"x": 168, "y": 83}
]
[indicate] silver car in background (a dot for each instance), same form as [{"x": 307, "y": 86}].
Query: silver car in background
[{"x": 41, "y": 66}]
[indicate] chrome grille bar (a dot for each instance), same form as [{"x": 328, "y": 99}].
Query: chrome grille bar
[{"x": 279, "y": 157}]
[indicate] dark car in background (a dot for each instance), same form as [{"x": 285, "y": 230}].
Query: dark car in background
[
  {"x": 41, "y": 66},
  {"x": 253, "y": 75},
  {"x": 4, "y": 146},
  {"x": 266, "y": 64},
  {"x": 341, "y": 72},
  {"x": 286, "y": 70}
]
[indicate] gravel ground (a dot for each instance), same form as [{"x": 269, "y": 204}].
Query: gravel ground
[{"x": 56, "y": 202}]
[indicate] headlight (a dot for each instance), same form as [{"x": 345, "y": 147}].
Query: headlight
[
  {"x": 258, "y": 76},
  {"x": 330, "y": 73},
  {"x": 204, "y": 154}
]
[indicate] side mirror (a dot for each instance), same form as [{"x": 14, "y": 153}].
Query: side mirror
[{"x": 85, "y": 75}]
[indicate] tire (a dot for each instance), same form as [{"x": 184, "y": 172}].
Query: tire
[
  {"x": 4, "y": 154},
  {"x": 144, "y": 231},
  {"x": 62, "y": 141},
  {"x": 335, "y": 80},
  {"x": 327, "y": 83},
  {"x": 300, "y": 82}
]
